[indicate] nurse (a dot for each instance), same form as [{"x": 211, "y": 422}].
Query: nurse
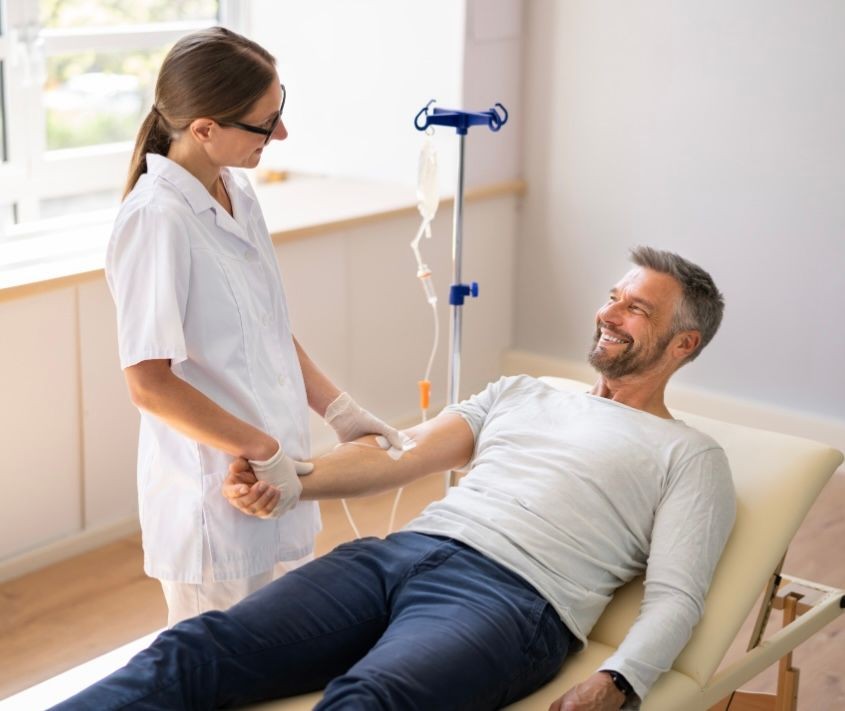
[{"x": 204, "y": 335}]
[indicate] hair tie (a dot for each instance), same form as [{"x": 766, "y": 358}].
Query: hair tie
[{"x": 154, "y": 109}]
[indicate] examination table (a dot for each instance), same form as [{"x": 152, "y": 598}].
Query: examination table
[{"x": 777, "y": 478}]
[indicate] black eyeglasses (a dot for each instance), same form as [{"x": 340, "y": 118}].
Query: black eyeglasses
[{"x": 266, "y": 132}]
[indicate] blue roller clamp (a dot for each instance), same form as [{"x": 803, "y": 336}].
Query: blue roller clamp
[{"x": 459, "y": 292}]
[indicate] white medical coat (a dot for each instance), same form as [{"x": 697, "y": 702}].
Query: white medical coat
[{"x": 194, "y": 285}]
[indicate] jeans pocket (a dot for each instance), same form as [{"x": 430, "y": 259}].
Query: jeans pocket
[
  {"x": 544, "y": 654},
  {"x": 550, "y": 641}
]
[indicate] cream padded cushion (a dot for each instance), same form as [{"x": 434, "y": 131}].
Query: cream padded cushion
[
  {"x": 578, "y": 667},
  {"x": 777, "y": 478}
]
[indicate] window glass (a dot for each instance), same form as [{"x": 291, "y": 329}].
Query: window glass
[
  {"x": 68, "y": 14},
  {"x": 3, "y": 156},
  {"x": 93, "y": 97}
]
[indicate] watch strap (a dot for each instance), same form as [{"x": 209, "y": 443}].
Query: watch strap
[{"x": 620, "y": 682}]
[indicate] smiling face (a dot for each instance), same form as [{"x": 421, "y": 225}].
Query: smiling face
[{"x": 634, "y": 329}]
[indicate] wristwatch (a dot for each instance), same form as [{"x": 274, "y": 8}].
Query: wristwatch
[{"x": 620, "y": 682}]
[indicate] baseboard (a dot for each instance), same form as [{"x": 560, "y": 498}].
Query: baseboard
[
  {"x": 67, "y": 547},
  {"x": 701, "y": 402}
]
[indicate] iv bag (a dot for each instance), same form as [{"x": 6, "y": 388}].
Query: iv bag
[{"x": 428, "y": 197}]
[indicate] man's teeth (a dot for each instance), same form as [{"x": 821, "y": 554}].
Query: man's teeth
[{"x": 612, "y": 339}]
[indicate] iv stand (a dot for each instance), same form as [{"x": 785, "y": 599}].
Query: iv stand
[{"x": 461, "y": 121}]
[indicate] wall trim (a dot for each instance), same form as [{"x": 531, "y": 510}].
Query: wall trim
[
  {"x": 66, "y": 547},
  {"x": 757, "y": 414}
]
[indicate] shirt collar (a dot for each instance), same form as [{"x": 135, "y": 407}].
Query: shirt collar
[
  {"x": 199, "y": 198},
  {"x": 191, "y": 188}
]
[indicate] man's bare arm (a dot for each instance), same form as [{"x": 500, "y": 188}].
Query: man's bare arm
[
  {"x": 444, "y": 443},
  {"x": 351, "y": 470}
]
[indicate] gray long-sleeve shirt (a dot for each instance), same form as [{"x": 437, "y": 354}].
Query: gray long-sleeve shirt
[{"x": 579, "y": 494}]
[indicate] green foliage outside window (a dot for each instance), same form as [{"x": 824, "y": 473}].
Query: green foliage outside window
[
  {"x": 92, "y": 97},
  {"x": 64, "y": 14}
]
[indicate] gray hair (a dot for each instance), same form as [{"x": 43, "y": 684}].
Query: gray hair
[{"x": 701, "y": 306}]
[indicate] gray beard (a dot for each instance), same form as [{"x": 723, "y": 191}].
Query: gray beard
[{"x": 631, "y": 361}]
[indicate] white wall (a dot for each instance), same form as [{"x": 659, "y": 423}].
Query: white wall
[
  {"x": 493, "y": 72},
  {"x": 357, "y": 73},
  {"x": 711, "y": 129}
]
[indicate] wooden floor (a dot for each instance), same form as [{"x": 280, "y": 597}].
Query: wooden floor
[{"x": 63, "y": 615}]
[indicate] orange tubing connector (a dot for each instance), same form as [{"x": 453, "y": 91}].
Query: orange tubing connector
[{"x": 425, "y": 393}]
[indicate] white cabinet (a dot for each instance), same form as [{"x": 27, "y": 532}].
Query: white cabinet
[
  {"x": 40, "y": 464},
  {"x": 68, "y": 430}
]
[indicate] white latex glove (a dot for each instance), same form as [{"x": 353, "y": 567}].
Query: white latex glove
[
  {"x": 282, "y": 472},
  {"x": 352, "y": 421}
]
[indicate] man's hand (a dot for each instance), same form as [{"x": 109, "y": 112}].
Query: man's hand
[
  {"x": 246, "y": 493},
  {"x": 596, "y": 693},
  {"x": 283, "y": 473}
]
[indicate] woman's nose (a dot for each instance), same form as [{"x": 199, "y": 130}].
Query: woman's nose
[{"x": 280, "y": 133}]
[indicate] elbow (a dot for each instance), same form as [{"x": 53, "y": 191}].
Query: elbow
[
  {"x": 140, "y": 397},
  {"x": 145, "y": 385}
]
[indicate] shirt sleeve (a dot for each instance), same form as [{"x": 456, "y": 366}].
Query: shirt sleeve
[
  {"x": 148, "y": 265},
  {"x": 691, "y": 526},
  {"x": 475, "y": 409}
]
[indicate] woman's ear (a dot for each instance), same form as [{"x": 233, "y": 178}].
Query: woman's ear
[{"x": 201, "y": 129}]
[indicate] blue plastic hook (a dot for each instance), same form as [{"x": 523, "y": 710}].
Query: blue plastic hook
[{"x": 461, "y": 121}]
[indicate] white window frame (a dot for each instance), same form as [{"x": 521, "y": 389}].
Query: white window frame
[{"x": 33, "y": 173}]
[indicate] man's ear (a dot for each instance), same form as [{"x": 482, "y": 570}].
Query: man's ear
[
  {"x": 686, "y": 343},
  {"x": 201, "y": 129}
]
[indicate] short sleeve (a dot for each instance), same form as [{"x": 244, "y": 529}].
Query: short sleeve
[
  {"x": 474, "y": 409},
  {"x": 148, "y": 265}
]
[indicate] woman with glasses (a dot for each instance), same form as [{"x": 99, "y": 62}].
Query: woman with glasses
[{"x": 204, "y": 335}]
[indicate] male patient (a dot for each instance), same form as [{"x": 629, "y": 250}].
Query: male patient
[{"x": 479, "y": 600}]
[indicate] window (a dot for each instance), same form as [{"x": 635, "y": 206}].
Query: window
[
  {"x": 7, "y": 206},
  {"x": 76, "y": 79}
]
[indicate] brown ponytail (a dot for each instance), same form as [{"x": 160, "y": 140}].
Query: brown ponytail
[
  {"x": 215, "y": 73},
  {"x": 153, "y": 137}
]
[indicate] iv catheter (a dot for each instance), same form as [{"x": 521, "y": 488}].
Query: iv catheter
[{"x": 461, "y": 121}]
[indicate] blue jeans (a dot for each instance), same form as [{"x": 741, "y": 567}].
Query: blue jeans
[{"x": 410, "y": 622}]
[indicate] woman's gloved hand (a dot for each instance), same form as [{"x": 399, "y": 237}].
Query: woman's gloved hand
[
  {"x": 352, "y": 421},
  {"x": 282, "y": 472}
]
